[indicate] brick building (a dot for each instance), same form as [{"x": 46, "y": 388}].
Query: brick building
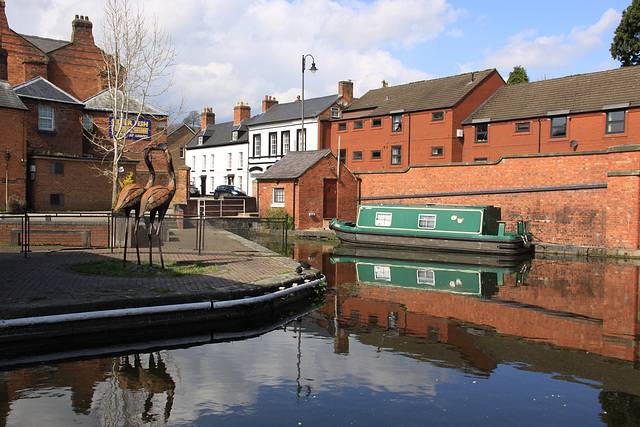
[
  {"x": 575, "y": 113},
  {"x": 57, "y": 108},
  {"x": 309, "y": 186},
  {"x": 396, "y": 126}
]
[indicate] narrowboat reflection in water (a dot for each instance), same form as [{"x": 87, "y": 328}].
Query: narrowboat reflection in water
[{"x": 465, "y": 274}]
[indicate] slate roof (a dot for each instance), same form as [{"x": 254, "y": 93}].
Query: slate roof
[
  {"x": 41, "y": 88},
  {"x": 572, "y": 94},
  {"x": 220, "y": 134},
  {"x": 44, "y": 44},
  {"x": 293, "y": 110},
  {"x": 8, "y": 97},
  {"x": 103, "y": 102},
  {"x": 294, "y": 164},
  {"x": 424, "y": 95}
]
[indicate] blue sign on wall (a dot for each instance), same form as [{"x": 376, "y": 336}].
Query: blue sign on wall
[{"x": 141, "y": 130}]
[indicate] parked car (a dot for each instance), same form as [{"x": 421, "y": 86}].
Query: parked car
[
  {"x": 228, "y": 191},
  {"x": 193, "y": 191}
]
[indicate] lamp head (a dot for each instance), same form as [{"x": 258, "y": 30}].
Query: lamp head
[{"x": 313, "y": 68}]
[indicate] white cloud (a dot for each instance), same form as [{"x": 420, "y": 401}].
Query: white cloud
[{"x": 551, "y": 52}]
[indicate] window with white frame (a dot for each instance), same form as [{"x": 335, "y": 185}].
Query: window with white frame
[
  {"x": 200, "y": 140},
  {"x": 240, "y": 160},
  {"x": 256, "y": 145},
  {"x": 286, "y": 142},
  {"x": 45, "y": 118},
  {"x": 204, "y": 163},
  {"x": 193, "y": 163},
  {"x": 212, "y": 159},
  {"x": 335, "y": 113},
  {"x": 229, "y": 160},
  {"x": 212, "y": 181},
  {"x": 182, "y": 152},
  {"x": 273, "y": 144},
  {"x": 240, "y": 181},
  {"x": 278, "y": 196},
  {"x": 427, "y": 221}
]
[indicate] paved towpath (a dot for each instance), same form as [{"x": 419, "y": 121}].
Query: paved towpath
[{"x": 43, "y": 284}]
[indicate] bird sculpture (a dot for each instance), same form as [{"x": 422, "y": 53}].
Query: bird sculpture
[
  {"x": 129, "y": 199},
  {"x": 156, "y": 200}
]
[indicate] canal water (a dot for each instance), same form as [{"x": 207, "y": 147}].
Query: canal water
[{"x": 399, "y": 338}]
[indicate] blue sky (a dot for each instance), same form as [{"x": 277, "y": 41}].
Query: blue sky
[{"x": 242, "y": 50}]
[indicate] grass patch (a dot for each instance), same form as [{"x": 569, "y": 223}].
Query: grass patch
[{"x": 114, "y": 268}]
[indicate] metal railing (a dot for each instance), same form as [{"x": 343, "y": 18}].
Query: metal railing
[{"x": 245, "y": 227}]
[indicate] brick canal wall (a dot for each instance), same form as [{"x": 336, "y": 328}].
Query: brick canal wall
[{"x": 589, "y": 199}]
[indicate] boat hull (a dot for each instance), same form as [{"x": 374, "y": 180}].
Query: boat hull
[{"x": 514, "y": 245}]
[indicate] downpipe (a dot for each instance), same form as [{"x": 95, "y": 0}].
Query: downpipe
[{"x": 159, "y": 309}]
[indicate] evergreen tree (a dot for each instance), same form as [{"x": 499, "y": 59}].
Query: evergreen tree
[
  {"x": 518, "y": 75},
  {"x": 626, "y": 42}
]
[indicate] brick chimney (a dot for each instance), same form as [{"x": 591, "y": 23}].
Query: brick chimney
[
  {"x": 82, "y": 31},
  {"x": 345, "y": 89},
  {"x": 240, "y": 112},
  {"x": 268, "y": 102},
  {"x": 4, "y": 72},
  {"x": 3, "y": 17},
  {"x": 207, "y": 118}
]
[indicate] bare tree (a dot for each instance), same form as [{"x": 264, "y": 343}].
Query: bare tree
[
  {"x": 192, "y": 120},
  {"x": 138, "y": 58}
]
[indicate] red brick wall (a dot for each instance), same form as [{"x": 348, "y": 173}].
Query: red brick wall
[
  {"x": 93, "y": 193},
  {"x": 98, "y": 231},
  {"x": 67, "y": 136},
  {"x": 587, "y": 129},
  {"x": 601, "y": 217},
  {"x": 14, "y": 141}
]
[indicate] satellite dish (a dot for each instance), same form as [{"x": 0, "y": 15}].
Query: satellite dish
[{"x": 573, "y": 143}]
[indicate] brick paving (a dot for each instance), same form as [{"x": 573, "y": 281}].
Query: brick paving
[{"x": 42, "y": 283}]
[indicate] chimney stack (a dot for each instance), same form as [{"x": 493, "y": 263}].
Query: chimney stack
[
  {"x": 240, "y": 112},
  {"x": 207, "y": 118},
  {"x": 385, "y": 83},
  {"x": 4, "y": 72},
  {"x": 345, "y": 89},
  {"x": 82, "y": 31},
  {"x": 268, "y": 102}
]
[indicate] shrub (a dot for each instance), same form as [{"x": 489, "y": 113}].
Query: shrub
[
  {"x": 128, "y": 180},
  {"x": 16, "y": 204},
  {"x": 278, "y": 213}
]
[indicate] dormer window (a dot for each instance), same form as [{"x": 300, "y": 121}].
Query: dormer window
[
  {"x": 234, "y": 135},
  {"x": 335, "y": 113},
  {"x": 200, "y": 140}
]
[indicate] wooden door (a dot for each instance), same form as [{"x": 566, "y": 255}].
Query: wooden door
[{"x": 330, "y": 198}]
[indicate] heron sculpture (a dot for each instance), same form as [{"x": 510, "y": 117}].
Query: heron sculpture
[
  {"x": 156, "y": 200},
  {"x": 129, "y": 199}
]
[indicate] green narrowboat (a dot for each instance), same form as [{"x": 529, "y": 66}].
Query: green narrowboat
[{"x": 477, "y": 229}]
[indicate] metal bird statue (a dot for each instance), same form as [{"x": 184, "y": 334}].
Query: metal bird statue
[
  {"x": 156, "y": 200},
  {"x": 129, "y": 199}
]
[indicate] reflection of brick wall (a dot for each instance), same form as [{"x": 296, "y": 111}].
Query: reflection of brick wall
[{"x": 602, "y": 217}]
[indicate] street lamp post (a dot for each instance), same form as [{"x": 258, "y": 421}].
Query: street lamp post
[
  {"x": 7, "y": 156},
  {"x": 313, "y": 69}
]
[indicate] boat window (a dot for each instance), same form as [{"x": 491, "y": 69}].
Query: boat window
[
  {"x": 382, "y": 272},
  {"x": 383, "y": 219},
  {"x": 426, "y": 221},
  {"x": 426, "y": 277}
]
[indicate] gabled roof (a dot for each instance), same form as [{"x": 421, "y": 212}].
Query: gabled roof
[
  {"x": 178, "y": 127},
  {"x": 220, "y": 134},
  {"x": 424, "y": 95},
  {"x": 41, "y": 88},
  {"x": 294, "y": 164},
  {"x": 44, "y": 44},
  {"x": 8, "y": 97},
  {"x": 103, "y": 101},
  {"x": 293, "y": 110},
  {"x": 572, "y": 94}
]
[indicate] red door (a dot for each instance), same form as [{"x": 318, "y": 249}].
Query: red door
[{"x": 330, "y": 198}]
